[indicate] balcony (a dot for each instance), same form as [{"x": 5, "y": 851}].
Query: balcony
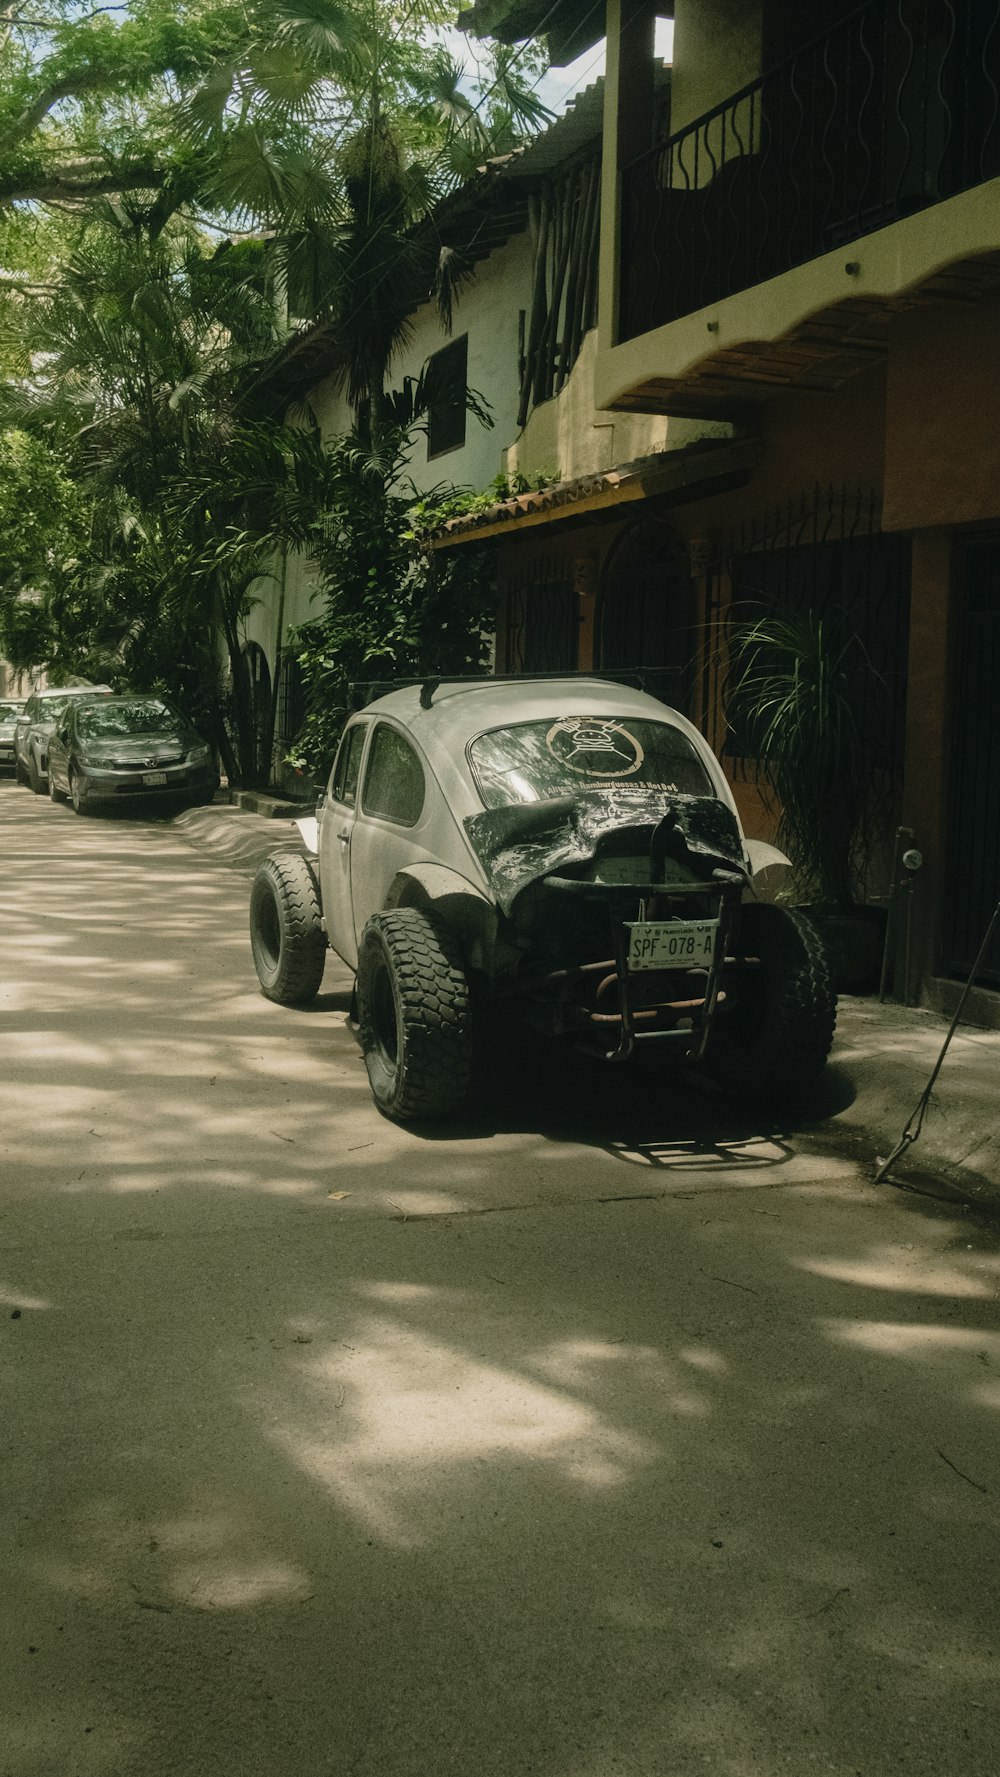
[{"x": 893, "y": 110}]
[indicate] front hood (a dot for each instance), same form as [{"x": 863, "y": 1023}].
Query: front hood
[
  {"x": 518, "y": 845},
  {"x": 136, "y": 749}
]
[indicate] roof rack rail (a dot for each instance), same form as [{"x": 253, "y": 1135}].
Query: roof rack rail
[{"x": 365, "y": 692}]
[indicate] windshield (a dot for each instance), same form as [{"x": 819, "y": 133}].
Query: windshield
[
  {"x": 9, "y": 710},
  {"x": 106, "y": 721},
  {"x": 536, "y": 760}
]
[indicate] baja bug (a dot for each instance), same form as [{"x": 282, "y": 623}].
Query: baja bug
[{"x": 567, "y": 848}]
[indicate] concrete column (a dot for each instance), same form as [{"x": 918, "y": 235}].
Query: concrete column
[
  {"x": 628, "y": 131},
  {"x": 933, "y": 609}
]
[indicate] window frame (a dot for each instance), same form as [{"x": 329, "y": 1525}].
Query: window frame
[
  {"x": 375, "y": 814},
  {"x": 343, "y": 752}
]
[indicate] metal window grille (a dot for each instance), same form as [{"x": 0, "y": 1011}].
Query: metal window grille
[{"x": 543, "y": 622}]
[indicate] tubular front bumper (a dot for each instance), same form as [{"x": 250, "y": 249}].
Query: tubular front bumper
[{"x": 722, "y": 896}]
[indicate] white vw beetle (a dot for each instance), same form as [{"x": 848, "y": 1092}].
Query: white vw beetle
[{"x": 568, "y": 848}]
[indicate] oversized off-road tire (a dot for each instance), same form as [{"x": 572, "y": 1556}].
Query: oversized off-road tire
[
  {"x": 415, "y": 1016},
  {"x": 35, "y": 780},
  {"x": 771, "y": 1041},
  {"x": 286, "y": 931}
]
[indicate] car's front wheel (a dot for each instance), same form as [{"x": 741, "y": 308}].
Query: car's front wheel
[
  {"x": 286, "y": 929},
  {"x": 415, "y": 1016},
  {"x": 35, "y": 781},
  {"x": 54, "y": 794},
  {"x": 75, "y": 792}
]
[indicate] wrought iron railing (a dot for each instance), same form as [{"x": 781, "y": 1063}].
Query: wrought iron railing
[{"x": 892, "y": 109}]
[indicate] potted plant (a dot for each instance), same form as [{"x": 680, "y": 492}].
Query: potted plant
[{"x": 800, "y": 682}]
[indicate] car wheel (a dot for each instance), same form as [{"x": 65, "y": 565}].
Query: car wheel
[
  {"x": 19, "y": 772},
  {"x": 286, "y": 931},
  {"x": 34, "y": 776},
  {"x": 75, "y": 796},
  {"x": 772, "y": 1039},
  {"x": 54, "y": 794},
  {"x": 415, "y": 1016}
]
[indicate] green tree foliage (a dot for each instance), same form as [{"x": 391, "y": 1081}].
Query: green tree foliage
[
  {"x": 181, "y": 186},
  {"x": 391, "y": 608},
  {"x": 43, "y": 531}
]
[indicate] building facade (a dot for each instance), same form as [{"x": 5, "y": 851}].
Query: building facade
[{"x": 800, "y": 263}]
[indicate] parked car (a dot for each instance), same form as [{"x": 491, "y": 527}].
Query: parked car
[
  {"x": 568, "y": 849},
  {"x": 113, "y": 748},
  {"x": 10, "y": 709},
  {"x": 35, "y": 725}
]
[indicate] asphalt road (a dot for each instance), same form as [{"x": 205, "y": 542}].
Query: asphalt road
[{"x": 607, "y": 1434}]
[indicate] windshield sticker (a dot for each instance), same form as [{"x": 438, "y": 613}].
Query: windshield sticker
[{"x": 594, "y": 748}]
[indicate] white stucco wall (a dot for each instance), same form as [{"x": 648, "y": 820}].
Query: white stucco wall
[
  {"x": 569, "y": 436},
  {"x": 487, "y": 311},
  {"x": 301, "y": 582}
]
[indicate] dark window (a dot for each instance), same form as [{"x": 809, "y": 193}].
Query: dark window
[
  {"x": 344, "y": 782},
  {"x": 447, "y": 375},
  {"x": 394, "y": 780}
]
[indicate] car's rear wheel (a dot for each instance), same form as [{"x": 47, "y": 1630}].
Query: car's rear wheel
[
  {"x": 772, "y": 1042},
  {"x": 286, "y": 930},
  {"x": 415, "y": 1016},
  {"x": 34, "y": 776}
]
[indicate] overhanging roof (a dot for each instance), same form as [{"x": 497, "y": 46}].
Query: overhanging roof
[
  {"x": 568, "y": 26},
  {"x": 688, "y": 473}
]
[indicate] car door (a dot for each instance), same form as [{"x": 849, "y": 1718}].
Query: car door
[
  {"x": 57, "y": 753},
  {"x": 21, "y": 729},
  {"x": 335, "y": 837},
  {"x": 387, "y": 834}
]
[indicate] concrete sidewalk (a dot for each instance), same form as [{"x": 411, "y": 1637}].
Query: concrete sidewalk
[{"x": 882, "y": 1058}]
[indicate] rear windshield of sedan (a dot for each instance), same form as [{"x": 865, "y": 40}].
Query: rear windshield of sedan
[
  {"x": 110, "y": 720},
  {"x": 575, "y": 753}
]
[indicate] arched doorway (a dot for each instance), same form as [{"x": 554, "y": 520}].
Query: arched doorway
[
  {"x": 646, "y": 612},
  {"x": 257, "y": 696}
]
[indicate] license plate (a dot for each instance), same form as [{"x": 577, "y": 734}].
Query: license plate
[
  {"x": 672, "y": 944},
  {"x": 154, "y": 777}
]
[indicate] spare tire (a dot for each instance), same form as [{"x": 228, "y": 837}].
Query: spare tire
[
  {"x": 772, "y": 1038},
  {"x": 286, "y": 929},
  {"x": 415, "y": 1016}
]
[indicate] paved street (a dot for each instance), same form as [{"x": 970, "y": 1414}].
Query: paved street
[{"x": 608, "y": 1435}]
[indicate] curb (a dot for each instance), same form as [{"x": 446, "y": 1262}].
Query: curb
[
  {"x": 235, "y": 836},
  {"x": 272, "y": 807}
]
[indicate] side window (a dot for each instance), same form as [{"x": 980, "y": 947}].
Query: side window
[
  {"x": 447, "y": 383},
  {"x": 344, "y": 782},
  {"x": 394, "y": 780}
]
